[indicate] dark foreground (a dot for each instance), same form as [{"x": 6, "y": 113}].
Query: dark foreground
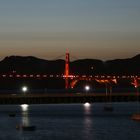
[{"x": 66, "y": 98}]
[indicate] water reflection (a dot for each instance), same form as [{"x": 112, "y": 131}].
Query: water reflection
[
  {"x": 87, "y": 120},
  {"x": 25, "y": 117},
  {"x": 87, "y": 108}
]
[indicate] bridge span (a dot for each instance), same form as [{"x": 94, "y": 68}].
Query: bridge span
[{"x": 70, "y": 79}]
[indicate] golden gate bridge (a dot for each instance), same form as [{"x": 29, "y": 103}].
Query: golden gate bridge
[
  {"x": 71, "y": 79},
  {"x": 70, "y": 82}
]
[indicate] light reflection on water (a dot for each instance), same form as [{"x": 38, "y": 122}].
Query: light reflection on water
[
  {"x": 25, "y": 117},
  {"x": 88, "y": 127},
  {"x": 71, "y": 122},
  {"x": 87, "y": 108}
]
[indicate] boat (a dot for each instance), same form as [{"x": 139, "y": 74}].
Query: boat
[
  {"x": 136, "y": 117},
  {"x": 12, "y": 115},
  {"x": 26, "y": 128}
]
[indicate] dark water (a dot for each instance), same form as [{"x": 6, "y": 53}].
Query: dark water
[{"x": 70, "y": 122}]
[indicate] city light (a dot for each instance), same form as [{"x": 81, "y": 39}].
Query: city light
[
  {"x": 24, "y": 89},
  {"x": 87, "y": 88}
]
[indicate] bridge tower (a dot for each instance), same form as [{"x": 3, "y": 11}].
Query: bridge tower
[{"x": 67, "y": 71}]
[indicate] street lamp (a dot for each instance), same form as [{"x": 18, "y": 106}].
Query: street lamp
[
  {"x": 87, "y": 88},
  {"x": 24, "y": 89}
]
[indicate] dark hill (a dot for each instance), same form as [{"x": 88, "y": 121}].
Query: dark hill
[
  {"x": 124, "y": 66},
  {"x": 87, "y": 66},
  {"x": 30, "y": 64},
  {"x": 33, "y": 65}
]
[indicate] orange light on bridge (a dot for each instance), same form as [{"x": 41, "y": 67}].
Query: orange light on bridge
[
  {"x": 114, "y": 81},
  {"x": 135, "y": 83},
  {"x": 31, "y": 75},
  {"x": 10, "y": 75},
  {"x": 37, "y": 75},
  {"x": 45, "y": 75},
  {"x": 64, "y": 76},
  {"x": 3, "y": 75},
  {"x": 17, "y": 75},
  {"x": 24, "y": 75},
  {"x": 51, "y": 75},
  {"x": 102, "y": 81}
]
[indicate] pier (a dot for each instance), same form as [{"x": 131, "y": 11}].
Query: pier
[{"x": 65, "y": 98}]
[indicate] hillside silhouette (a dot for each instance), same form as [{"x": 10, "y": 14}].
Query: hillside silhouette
[{"x": 33, "y": 65}]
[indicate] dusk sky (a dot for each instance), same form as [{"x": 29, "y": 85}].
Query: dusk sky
[{"x": 100, "y": 29}]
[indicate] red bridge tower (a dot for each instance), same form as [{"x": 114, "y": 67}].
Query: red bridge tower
[{"x": 67, "y": 71}]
